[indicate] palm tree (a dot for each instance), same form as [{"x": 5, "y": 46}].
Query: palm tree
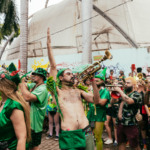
[
  {"x": 24, "y": 34},
  {"x": 8, "y": 40},
  {"x": 9, "y": 26},
  {"x": 10, "y": 19}
]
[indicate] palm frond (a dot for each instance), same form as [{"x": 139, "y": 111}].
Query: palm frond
[{"x": 11, "y": 20}]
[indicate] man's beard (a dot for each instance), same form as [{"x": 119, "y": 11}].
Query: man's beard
[
  {"x": 128, "y": 89},
  {"x": 69, "y": 83}
]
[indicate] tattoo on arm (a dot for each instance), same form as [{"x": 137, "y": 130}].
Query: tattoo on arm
[{"x": 126, "y": 97}]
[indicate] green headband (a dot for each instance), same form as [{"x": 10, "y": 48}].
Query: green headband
[{"x": 60, "y": 72}]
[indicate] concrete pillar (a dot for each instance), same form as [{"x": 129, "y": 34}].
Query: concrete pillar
[{"x": 87, "y": 31}]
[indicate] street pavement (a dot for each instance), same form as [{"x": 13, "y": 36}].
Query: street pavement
[{"x": 51, "y": 144}]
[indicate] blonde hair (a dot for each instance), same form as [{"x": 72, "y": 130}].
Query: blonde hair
[
  {"x": 132, "y": 80},
  {"x": 9, "y": 88}
]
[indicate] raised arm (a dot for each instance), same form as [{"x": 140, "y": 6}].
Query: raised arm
[
  {"x": 53, "y": 69},
  {"x": 97, "y": 98},
  {"x": 87, "y": 96}
]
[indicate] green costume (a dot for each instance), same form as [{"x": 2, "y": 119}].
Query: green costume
[
  {"x": 100, "y": 115},
  {"x": 51, "y": 106},
  {"x": 91, "y": 112},
  {"x": 7, "y": 132},
  {"x": 38, "y": 108},
  {"x": 81, "y": 139},
  {"x": 72, "y": 139}
]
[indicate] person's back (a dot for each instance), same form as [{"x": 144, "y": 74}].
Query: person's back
[
  {"x": 36, "y": 93},
  {"x": 38, "y": 108},
  {"x": 14, "y": 112}
]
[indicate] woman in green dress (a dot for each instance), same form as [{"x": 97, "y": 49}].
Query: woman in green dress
[{"x": 14, "y": 112}]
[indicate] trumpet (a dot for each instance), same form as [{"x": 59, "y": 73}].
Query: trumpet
[
  {"x": 89, "y": 72},
  {"x": 107, "y": 85}
]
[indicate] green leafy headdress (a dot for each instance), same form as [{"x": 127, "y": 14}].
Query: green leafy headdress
[
  {"x": 60, "y": 72},
  {"x": 11, "y": 73}
]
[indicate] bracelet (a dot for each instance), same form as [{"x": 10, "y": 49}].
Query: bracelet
[{"x": 92, "y": 79}]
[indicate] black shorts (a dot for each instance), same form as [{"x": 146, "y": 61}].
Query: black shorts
[
  {"x": 36, "y": 139},
  {"x": 112, "y": 111},
  {"x": 52, "y": 113},
  {"x": 144, "y": 122}
]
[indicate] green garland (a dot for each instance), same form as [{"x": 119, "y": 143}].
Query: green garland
[
  {"x": 51, "y": 86},
  {"x": 82, "y": 87},
  {"x": 85, "y": 103}
]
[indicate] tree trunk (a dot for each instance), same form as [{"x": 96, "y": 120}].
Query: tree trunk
[
  {"x": 46, "y": 3},
  {"x": 3, "y": 49},
  {"x": 24, "y": 34}
]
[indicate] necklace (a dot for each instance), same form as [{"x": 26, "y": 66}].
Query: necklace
[
  {"x": 2, "y": 103},
  {"x": 35, "y": 87}
]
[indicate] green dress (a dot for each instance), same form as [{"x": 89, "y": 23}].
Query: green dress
[
  {"x": 100, "y": 115},
  {"x": 7, "y": 132}
]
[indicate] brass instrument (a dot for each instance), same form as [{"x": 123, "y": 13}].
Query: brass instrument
[
  {"x": 107, "y": 85},
  {"x": 140, "y": 75},
  {"x": 89, "y": 72}
]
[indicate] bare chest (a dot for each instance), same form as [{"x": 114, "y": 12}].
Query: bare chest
[{"x": 72, "y": 96}]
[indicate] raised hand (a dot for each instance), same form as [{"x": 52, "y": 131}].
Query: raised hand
[{"x": 48, "y": 37}]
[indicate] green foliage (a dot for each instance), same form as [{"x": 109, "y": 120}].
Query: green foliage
[
  {"x": 11, "y": 20},
  {"x": 82, "y": 87},
  {"x": 51, "y": 86}
]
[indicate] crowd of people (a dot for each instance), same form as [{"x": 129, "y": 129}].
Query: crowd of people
[{"x": 80, "y": 111}]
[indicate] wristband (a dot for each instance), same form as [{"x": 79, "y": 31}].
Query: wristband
[{"x": 92, "y": 79}]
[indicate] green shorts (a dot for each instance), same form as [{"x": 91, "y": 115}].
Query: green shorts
[
  {"x": 79, "y": 137},
  {"x": 36, "y": 139}
]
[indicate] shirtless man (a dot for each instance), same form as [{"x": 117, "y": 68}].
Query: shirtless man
[{"x": 70, "y": 101}]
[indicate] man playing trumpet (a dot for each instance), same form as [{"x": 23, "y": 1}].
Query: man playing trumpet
[
  {"x": 126, "y": 121},
  {"x": 74, "y": 121}
]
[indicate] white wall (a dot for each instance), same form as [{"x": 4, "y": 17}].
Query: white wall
[{"x": 122, "y": 60}]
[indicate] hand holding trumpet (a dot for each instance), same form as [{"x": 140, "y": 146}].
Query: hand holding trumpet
[{"x": 117, "y": 89}]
